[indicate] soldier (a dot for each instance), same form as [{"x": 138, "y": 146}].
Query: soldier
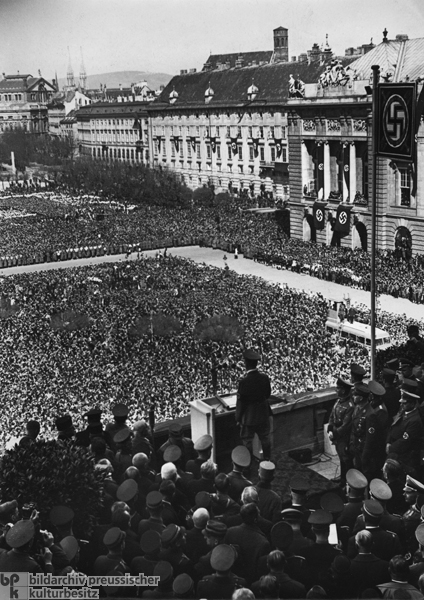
[
  {"x": 175, "y": 436},
  {"x": 392, "y": 394},
  {"x": 223, "y": 582},
  {"x": 340, "y": 423},
  {"x": 238, "y": 482},
  {"x": 412, "y": 517},
  {"x": 382, "y": 415},
  {"x": 405, "y": 433},
  {"x": 356, "y": 486},
  {"x": 120, "y": 414},
  {"x": 380, "y": 491},
  {"x": 203, "y": 447},
  {"x": 357, "y": 373},
  {"x": 363, "y": 434},
  {"x": 270, "y": 504}
]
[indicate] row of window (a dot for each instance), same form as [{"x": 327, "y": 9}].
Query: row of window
[
  {"x": 120, "y": 153},
  {"x": 209, "y": 151},
  {"x": 275, "y": 131},
  {"x": 104, "y": 122},
  {"x": 11, "y": 97}
]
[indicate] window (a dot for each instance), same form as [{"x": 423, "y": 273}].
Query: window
[
  {"x": 218, "y": 151},
  {"x": 240, "y": 151},
  {"x": 272, "y": 154},
  {"x": 198, "y": 150},
  {"x": 261, "y": 132},
  {"x": 208, "y": 132},
  {"x": 208, "y": 151},
  {"x": 228, "y": 132},
  {"x": 262, "y": 152},
  {"x": 239, "y": 132},
  {"x": 188, "y": 149},
  {"x": 251, "y": 153},
  {"x": 250, "y": 132},
  {"x": 172, "y": 150},
  {"x": 197, "y": 130},
  {"x": 283, "y": 133},
  {"x": 284, "y": 154},
  {"x": 156, "y": 146},
  {"x": 405, "y": 187},
  {"x": 229, "y": 152}
]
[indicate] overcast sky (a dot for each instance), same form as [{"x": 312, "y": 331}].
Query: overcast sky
[{"x": 169, "y": 35}]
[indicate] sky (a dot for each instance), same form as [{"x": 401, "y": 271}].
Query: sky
[{"x": 169, "y": 35}]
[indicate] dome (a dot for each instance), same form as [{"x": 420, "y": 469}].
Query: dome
[
  {"x": 173, "y": 95},
  {"x": 252, "y": 89}
]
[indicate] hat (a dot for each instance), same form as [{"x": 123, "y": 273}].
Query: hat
[
  {"x": 419, "y": 534},
  {"x": 171, "y": 534},
  {"x": 320, "y": 519},
  {"x": 183, "y": 584},
  {"x": 20, "y": 534},
  {"x": 203, "y": 500},
  {"x": 203, "y": 443},
  {"x": 292, "y": 514},
  {"x": 380, "y": 490},
  {"x": 8, "y": 507},
  {"x": 393, "y": 364},
  {"x": 341, "y": 564},
  {"x": 251, "y": 354},
  {"x": 332, "y": 503},
  {"x": 63, "y": 423},
  {"x": 164, "y": 570},
  {"x": 413, "y": 485},
  {"x": 154, "y": 500},
  {"x": 95, "y": 428},
  {"x": 61, "y": 515},
  {"x": 222, "y": 557},
  {"x": 113, "y": 537},
  {"x": 150, "y": 541},
  {"x": 299, "y": 484},
  {"x": 373, "y": 508},
  {"x": 172, "y": 453},
  {"x": 120, "y": 410},
  {"x": 215, "y": 528},
  {"x": 376, "y": 388},
  {"x": 70, "y": 546},
  {"x": 388, "y": 374},
  {"x": 282, "y": 535},
  {"x": 362, "y": 389},
  {"x": 343, "y": 383},
  {"x": 266, "y": 469},
  {"x": 93, "y": 414},
  {"x": 356, "y": 479},
  {"x": 408, "y": 395},
  {"x": 122, "y": 435},
  {"x": 357, "y": 369},
  {"x": 405, "y": 362},
  {"x": 241, "y": 456},
  {"x": 175, "y": 429},
  {"x": 127, "y": 490}
]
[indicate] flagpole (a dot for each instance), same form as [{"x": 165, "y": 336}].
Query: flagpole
[{"x": 375, "y": 78}]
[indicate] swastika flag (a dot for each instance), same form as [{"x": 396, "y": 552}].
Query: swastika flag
[
  {"x": 343, "y": 219},
  {"x": 396, "y": 120},
  {"x": 319, "y": 214}
]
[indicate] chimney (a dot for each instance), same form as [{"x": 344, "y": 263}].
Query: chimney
[
  {"x": 293, "y": 59},
  {"x": 183, "y": 72},
  {"x": 240, "y": 61},
  {"x": 228, "y": 64},
  {"x": 206, "y": 67},
  {"x": 195, "y": 70},
  {"x": 401, "y": 37},
  {"x": 120, "y": 87}
]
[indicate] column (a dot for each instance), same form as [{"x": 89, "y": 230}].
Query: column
[
  {"x": 327, "y": 170},
  {"x": 305, "y": 166},
  {"x": 352, "y": 172}
]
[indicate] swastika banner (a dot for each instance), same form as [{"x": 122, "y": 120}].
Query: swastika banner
[
  {"x": 319, "y": 214},
  {"x": 396, "y": 120},
  {"x": 342, "y": 224}
]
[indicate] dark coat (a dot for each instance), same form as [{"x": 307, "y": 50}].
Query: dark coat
[
  {"x": 367, "y": 571},
  {"x": 405, "y": 435},
  {"x": 385, "y": 544},
  {"x": 252, "y": 544},
  {"x": 252, "y": 406}
]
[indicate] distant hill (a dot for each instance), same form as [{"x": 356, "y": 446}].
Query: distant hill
[{"x": 126, "y": 78}]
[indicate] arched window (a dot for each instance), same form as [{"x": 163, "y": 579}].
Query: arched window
[{"x": 403, "y": 243}]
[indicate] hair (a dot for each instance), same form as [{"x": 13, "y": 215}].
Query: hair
[
  {"x": 222, "y": 482},
  {"x": 399, "y": 567},
  {"x": 268, "y": 587},
  {"x": 393, "y": 469},
  {"x": 249, "y": 513},
  {"x": 250, "y": 363},
  {"x": 276, "y": 560},
  {"x": 119, "y": 505},
  {"x": 249, "y": 494},
  {"x": 141, "y": 461},
  {"x": 168, "y": 471},
  {"x": 364, "y": 539},
  {"x": 316, "y": 591},
  {"x": 98, "y": 445},
  {"x": 421, "y": 582},
  {"x": 243, "y": 594},
  {"x": 200, "y": 518},
  {"x": 167, "y": 488},
  {"x": 132, "y": 473},
  {"x": 208, "y": 469},
  {"x": 121, "y": 518}
]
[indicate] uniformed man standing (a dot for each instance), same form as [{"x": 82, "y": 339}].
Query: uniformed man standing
[
  {"x": 412, "y": 517},
  {"x": 252, "y": 408},
  {"x": 363, "y": 435},
  {"x": 340, "y": 424}
]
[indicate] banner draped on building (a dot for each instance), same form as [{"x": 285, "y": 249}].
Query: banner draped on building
[
  {"x": 319, "y": 170},
  {"x": 213, "y": 144},
  {"x": 346, "y": 168},
  {"x": 193, "y": 142},
  {"x": 159, "y": 141},
  {"x": 343, "y": 220},
  {"x": 255, "y": 142},
  {"x": 234, "y": 145},
  {"x": 278, "y": 147},
  {"x": 177, "y": 143},
  {"x": 319, "y": 214}
]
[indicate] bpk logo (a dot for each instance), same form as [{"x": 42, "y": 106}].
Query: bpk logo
[
  {"x": 395, "y": 121},
  {"x": 13, "y": 585}
]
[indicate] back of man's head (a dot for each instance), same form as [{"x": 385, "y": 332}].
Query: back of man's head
[
  {"x": 249, "y": 513},
  {"x": 249, "y": 494},
  {"x": 208, "y": 470},
  {"x": 222, "y": 483},
  {"x": 399, "y": 569},
  {"x": 276, "y": 560},
  {"x": 168, "y": 471},
  {"x": 121, "y": 518},
  {"x": 363, "y": 540}
]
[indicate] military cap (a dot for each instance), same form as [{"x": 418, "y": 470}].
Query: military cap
[
  {"x": 120, "y": 410},
  {"x": 357, "y": 369},
  {"x": 266, "y": 469},
  {"x": 127, "y": 490},
  {"x": 175, "y": 429},
  {"x": 299, "y": 484},
  {"x": 154, "y": 500},
  {"x": 171, "y": 534},
  {"x": 251, "y": 354},
  {"x": 410, "y": 385},
  {"x": 203, "y": 443},
  {"x": 413, "y": 329},
  {"x": 113, "y": 537},
  {"x": 373, "y": 508},
  {"x": 241, "y": 456},
  {"x": 20, "y": 534},
  {"x": 393, "y": 364},
  {"x": 95, "y": 428},
  {"x": 215, "y": 528},
  {"x": 380, "y": 490},
  {"x": 182, "y": 585},
  {"x": 419, "y": 534},
  {"x": 341, "y": 564},
  {"x": 405, "y": 362},
  {"x": 203, "y": 500},
  {"x": 376, "y": 388},
  {"x": 332, "y": 503},
  {"x": 413, "y": 485},
  {"x": 389, "y": 374},
  {"x": 172, "y": 453},
  {"x": 320, "y": 519},
  {"x": 8, "y": 507},
  {"x": 61, "y": 515},
  {"x": 408, "y": 395},
  {"x": 222, "y": 557},
  {"x": 164, "y": 570},
  {"x": 150, "y": 541},
  {"x": 63, "y": 423},
  {"x": 343, "y": 383},
  {"x": 122, "y": 435},
  {"x": 70, "y": 546},
  {"x": 291, "y": 514},
  {"x": 362, "y": 389},
  {"x": 282, "y": 535},
  {"x": 93, "y": 414}
]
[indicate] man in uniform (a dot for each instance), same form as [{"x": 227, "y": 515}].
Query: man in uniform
[
  {"x": 241, "y": 460},
  {"x": 382, "y": 417},
  {"x": 363, "y": 435},
  {"x": 412, "y": 517},
  {"x": 175, "y": 436},
  {"x": 340, "y": 423},
  {"x": 356, "y": 486},
  {"x": 252, "y": 408},
  {"x": 223, "y": 582},
  {"x": 203, "y": 447},
  {"x": 357, "y": 373},
  {"x": 120, "y": 415},
  {"x": 405, "y": 433},
  {"x": 270, "y": 504},
  {"x": 392, "y": 395}
]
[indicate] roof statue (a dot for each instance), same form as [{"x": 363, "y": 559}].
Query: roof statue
[{"x": 296, "y": 88}]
